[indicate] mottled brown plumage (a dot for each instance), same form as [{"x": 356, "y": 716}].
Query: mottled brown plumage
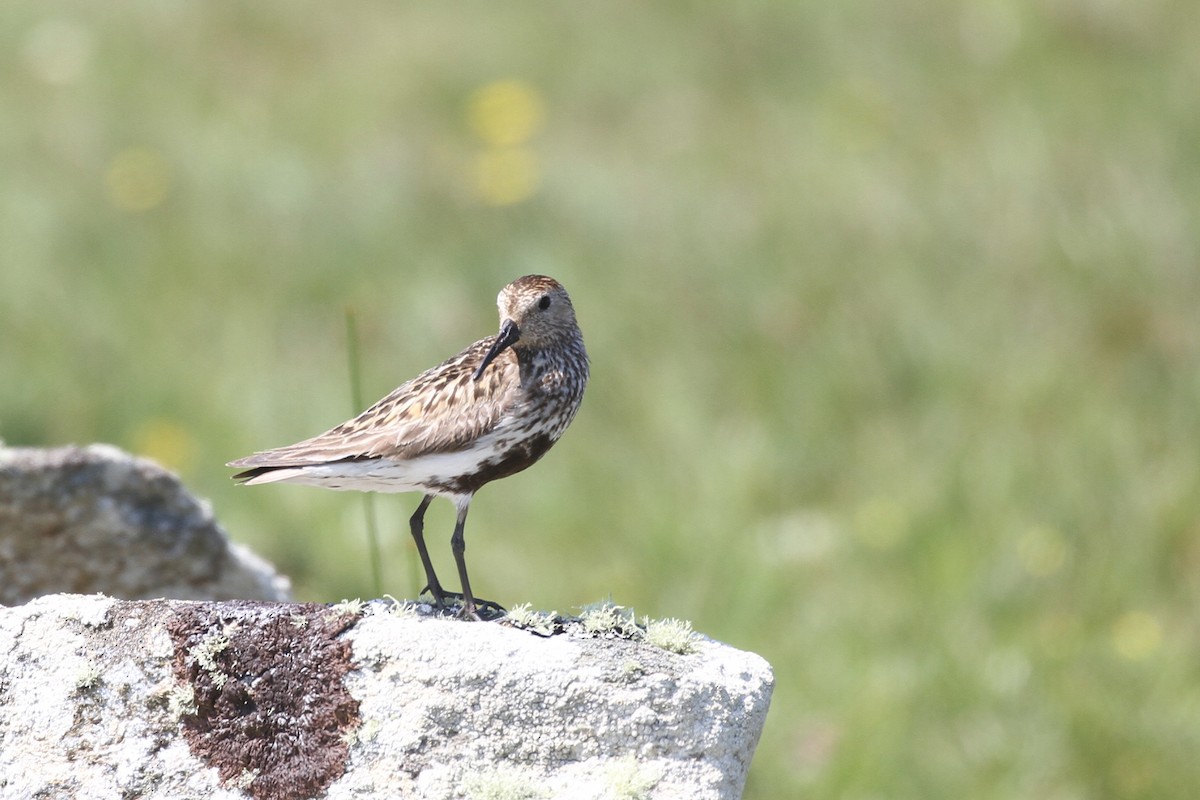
[{"x": 488, "y": 412}]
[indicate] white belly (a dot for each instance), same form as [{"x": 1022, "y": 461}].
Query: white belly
[{"x": 380, "y": 475}]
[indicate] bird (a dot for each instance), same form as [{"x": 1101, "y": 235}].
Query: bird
[{"x": 486, "y": 413}]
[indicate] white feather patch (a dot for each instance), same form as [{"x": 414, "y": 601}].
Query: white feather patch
[{"x": 380, "y": 475}]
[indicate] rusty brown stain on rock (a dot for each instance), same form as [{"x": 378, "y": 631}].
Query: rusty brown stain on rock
[{"x": 272, "y": 710}]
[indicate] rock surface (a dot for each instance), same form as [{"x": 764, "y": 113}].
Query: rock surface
[
  {"x": 170, "y": 699},
  {"x": 96, "y": 519}
]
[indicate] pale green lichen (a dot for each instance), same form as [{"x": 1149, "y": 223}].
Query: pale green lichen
[
  {"x": 606, "y": 618},
  {"x": 205, "y": 654},
  {"x": 181, "y": 701},
  {"x": 540, "y": 622},
  {"x": 351, "y": 608},
  {"x": 244, "y": 780},
  {"x": 629, "y": 780},
  {"x": 363, "y": 733},
  {"x": 632, "y": 669},
  {"x": 88, "y": 678},
  {"x": 400, "y": 609},
  {"x": 672, "y": 635},
  {"x": 504, "y": 783}
]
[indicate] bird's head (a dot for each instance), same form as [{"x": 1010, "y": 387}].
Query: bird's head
[{"x": 535, "y": 311}]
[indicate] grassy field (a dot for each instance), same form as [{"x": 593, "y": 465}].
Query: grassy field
[{"x": 894, "y": 312}]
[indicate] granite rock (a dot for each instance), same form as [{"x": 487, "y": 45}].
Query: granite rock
[
  {"x": 167, "y": 699},
  {"x": 96, "y": 519}
]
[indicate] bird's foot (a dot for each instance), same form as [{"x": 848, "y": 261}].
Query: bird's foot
[
  {"x": 490, "y": 608},
  {"x": 437, "y": 593},
  {"x": 481, "y": 611},
  {"x": 468, "y": 614}
]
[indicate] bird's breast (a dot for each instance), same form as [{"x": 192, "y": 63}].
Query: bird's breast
[{"x": 503, "y": 456}]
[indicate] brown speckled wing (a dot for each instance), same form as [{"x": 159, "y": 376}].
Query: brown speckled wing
[{"x": 440, "y": 410}]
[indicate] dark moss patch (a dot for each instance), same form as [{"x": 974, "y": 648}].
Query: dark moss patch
[{"x": 272, "y": 711}]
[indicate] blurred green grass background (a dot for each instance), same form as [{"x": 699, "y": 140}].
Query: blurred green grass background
[{"x": 892, "y": 306}]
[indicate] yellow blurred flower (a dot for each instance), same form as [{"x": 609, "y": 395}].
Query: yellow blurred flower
[
  {"x": 165, "y": 442},
  {"x": 1136, "y": 635},
  {"x": 138, "y": 179},
  {"x": 506, "y": 113},
  {"x": 504, "y": 176}
]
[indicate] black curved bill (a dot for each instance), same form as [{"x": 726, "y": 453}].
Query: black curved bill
[{"x": 508, "y": 336}]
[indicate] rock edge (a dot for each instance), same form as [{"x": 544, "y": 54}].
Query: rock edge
[{"x": 166, "y": 698}]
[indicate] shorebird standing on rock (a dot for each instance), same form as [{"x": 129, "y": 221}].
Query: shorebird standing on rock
[{"x": 487, "y": 413}]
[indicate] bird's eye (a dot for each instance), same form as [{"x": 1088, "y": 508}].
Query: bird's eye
[{"x": 544, "y": 303}]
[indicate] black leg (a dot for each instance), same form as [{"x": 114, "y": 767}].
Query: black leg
[
  {"x": 416, "y": 524},
  {"x": 459, "y": 546}
]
